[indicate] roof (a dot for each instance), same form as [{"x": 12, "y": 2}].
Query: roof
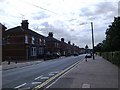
[
  {"x": 20, "y": 29},
  {"x": 51, "y": 39},
  {"x": 2, "y": 26}
]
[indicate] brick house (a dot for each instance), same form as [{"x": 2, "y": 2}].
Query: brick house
[
  {"x": 2, "y": 41},
  {"x": 63, "y": 48},
  {"x": 69, "y": 49},
  {"x": 24, "y": 44},
  {"x": 52, "y": 44}
]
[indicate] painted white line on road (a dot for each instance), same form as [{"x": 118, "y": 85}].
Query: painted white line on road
[
  {"x": 55, "y": 72},
  {"x": 36, "y": 82},
  {"x": 38, "y": 77},
  {"x": 20, "y": 85},
  {"x": 86, "y": 86},
  {"x": 44, "y": 78},
  {"x": 51, "y": 74},
  {"x": 62, "y": 75},
  {"x": 57, "y": 75}
]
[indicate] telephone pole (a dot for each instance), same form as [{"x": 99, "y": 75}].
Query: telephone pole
[{"x": 92, "y": 40}]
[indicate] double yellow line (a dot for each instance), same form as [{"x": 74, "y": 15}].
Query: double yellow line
[{"x": 52, "y": 78}]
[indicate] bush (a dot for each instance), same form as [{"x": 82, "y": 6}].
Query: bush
[{"x": 113, "y": 57}]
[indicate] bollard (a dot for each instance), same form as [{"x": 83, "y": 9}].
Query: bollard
[
  {"x": 15, "y": 62},
  {"x": 8, "y": 62}
]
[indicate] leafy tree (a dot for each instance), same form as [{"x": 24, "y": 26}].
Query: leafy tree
[
  {"x": 113, "y": 35},
  {"x": 112, "y": 41}
]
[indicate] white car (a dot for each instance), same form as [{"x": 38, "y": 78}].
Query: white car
[{"x": 89, "y": 55}]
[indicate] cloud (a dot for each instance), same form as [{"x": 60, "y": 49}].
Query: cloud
[
  {"x": 105, "y": 7},
  {"x": 102, "y": 9},
  {"x": 46, "y": 24},
  {"x": 71, "y": 22},
  {"x": 2, "y": 0},
  {"x": 40, "y": 15}
]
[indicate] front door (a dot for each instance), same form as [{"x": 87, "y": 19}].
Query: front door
[{"x": 27, "y": 52}]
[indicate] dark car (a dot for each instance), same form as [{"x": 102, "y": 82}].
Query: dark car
[
  {"x": 56, "y": 55},
  {"x": 75, "y": 54},
  {"x": 48, "y": 56}
]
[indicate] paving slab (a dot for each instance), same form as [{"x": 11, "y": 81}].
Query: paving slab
[{"x": 98, "y": 73}]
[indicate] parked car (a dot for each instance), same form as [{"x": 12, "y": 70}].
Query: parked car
[
  {"x": 75, "y": 54},
  {"x": 48, "y": 56},
  {"x": 56, "y": 55}
]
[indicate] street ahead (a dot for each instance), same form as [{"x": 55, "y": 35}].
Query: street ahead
[{"x": 33, "y": 75}]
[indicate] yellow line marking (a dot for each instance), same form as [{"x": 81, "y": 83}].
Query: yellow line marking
[{"x": 52, "y": 78}]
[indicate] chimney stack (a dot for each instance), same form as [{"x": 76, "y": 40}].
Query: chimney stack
[
  {"x": 73, "y": 44},
  {"x": 50, "y": 34},
  {"x": 69, "y": 42},
  {"x": 24, "y": 24},
  {"x": 62, "y": 39}
]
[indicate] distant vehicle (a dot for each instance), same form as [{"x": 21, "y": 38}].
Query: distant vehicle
[
  {"x": 56, "y": 55},
  {"x": 75, "y": 54},
  {"x": 89, "y": 55}
]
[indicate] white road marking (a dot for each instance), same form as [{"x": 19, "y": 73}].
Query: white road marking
[
  {"x": 20, "y": 85},
  {"x": 26, "y": 88},
  {"x": 36, "y": 82},
  {"x": 63, "y": 75},
  {"x": 44, "y": 77},
  {"x": 38, "y": 77},
  {"x": 86, "y": 86},
  {"x": 55, "y": 72},
  {"x": 51, "y": 74}
]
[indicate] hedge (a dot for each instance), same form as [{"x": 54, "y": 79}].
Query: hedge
[{"x": 113, "y": 57}]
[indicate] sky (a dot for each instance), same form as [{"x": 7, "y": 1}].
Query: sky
[{"x": 68, "y": 19}]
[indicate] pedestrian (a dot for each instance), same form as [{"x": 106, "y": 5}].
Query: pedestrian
[{"x": 86, "y": 58}]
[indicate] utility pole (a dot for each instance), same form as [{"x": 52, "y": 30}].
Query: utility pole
[{"x": 92, "y": 40}]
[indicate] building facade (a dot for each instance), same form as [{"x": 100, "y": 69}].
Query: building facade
[
  {"x": 2, "y": 41},
  {"x": 52, "y": 44},
  {"x": 23, "y": 43}
]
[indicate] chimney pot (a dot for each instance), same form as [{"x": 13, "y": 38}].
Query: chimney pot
[
  {"x": 50, "y": 34},
  {"x": 62, "y": 39},
  {"x": 69, "y": 42},
  {"x": 24, "y": 24}
]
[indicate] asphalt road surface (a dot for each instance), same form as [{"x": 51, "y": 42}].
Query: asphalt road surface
[{"x": 33, "y": 75}]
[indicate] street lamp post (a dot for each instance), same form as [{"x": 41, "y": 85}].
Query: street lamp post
[{"x": 92, "y": 40}]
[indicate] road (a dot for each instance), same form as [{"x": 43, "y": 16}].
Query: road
[{"x": 33, "y": 75}]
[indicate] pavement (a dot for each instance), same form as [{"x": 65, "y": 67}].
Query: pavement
[
  {"x": 13, "y": 65},
  {"x": 98, "y": 73}
]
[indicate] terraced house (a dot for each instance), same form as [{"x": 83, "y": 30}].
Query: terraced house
[
  {"x": 2, "y": 41},
  {"x": 52, "y": 44},
  {"x": 23, "y": 43}
]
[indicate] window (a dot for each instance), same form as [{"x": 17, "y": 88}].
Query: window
[
  {"x": 44, "y": 42},
  {"x": 33, "y": 40},
  {"x": 33, "y": 51},
  {"x": 8, "y": 39},
  {"x": 56, "y": 45},
  {"x": 40, "y": 41},
  {"x": 26, "y": 39},
  {"x": 41, "y": 52}
]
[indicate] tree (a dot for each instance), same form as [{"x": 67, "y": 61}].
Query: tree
[
  {"x": 86, "y": 47},
  {"x": 98, "y": 47},
  {"x": 112, "y": 41}
]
